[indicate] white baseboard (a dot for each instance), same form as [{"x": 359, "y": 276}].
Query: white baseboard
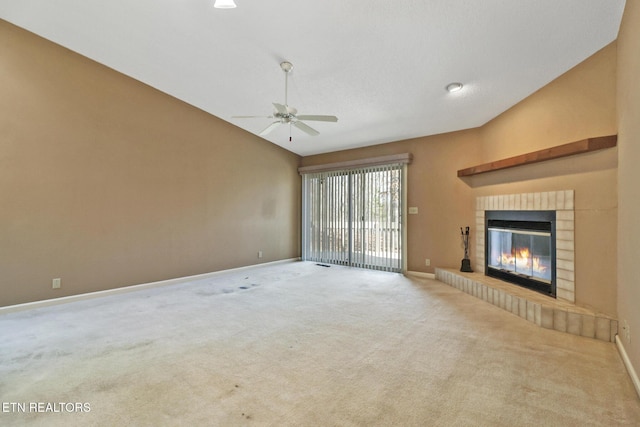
[
  {"x": 420, "y": 274},
  {"x": 628, "y": 365},
  {"x": 132, "y": 288}
]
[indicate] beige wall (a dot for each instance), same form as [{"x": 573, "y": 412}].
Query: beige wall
[
  {"x": 629, "y": 177},
  {"x": 577, "y": 105},
  {"x": 106, "y": 182}
]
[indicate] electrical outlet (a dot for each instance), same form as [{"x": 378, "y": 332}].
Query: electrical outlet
[
  {"x": 427, "y": 262},
  {"x": 56, "y": 283},
  {"x": 259, "y": 254}
]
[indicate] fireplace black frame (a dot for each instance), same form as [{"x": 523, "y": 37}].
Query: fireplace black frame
[{"x": 525, "y": 220}]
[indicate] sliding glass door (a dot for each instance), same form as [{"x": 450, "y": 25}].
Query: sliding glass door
[
  {"x": 326, "y": 217},
  {"x": 353, "y": 217}
]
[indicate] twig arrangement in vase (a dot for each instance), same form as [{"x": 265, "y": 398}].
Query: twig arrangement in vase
[{"x": 466, "y": 262}]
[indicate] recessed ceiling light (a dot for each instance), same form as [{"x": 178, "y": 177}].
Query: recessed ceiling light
[
  {"x": 224, "y": 4},
  {"x": 454, "y": 87}
]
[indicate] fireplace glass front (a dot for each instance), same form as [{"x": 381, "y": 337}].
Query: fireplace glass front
[
  {"x": 524, "y": 253},
  {"x": 521, "y": 249}
]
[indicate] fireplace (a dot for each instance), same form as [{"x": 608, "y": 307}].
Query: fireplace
[{"x": 520, "y": 248}]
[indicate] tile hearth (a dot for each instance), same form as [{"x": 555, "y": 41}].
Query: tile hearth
[{"x": 542, "y": 310}]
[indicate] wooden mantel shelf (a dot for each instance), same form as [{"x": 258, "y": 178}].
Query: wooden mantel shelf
[{"x": 573, "y": 148}]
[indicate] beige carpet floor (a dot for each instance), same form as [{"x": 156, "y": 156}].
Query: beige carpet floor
[{"x": 303, "y": 345}]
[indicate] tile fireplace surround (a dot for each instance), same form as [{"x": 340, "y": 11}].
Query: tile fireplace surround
[
  {"x": 560, "y": 314},
  {"x": 559, "y": 201}
]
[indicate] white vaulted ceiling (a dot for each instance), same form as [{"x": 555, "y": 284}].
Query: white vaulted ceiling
[{"x": 381, "y": 66}]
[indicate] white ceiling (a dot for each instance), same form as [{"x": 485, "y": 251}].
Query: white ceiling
[{"x": 379, "y": 65}]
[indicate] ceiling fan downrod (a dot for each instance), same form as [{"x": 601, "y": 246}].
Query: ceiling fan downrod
[{"x": 286, "y": 67}]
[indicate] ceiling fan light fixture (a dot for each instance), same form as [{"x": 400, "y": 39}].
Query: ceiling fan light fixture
[
  {"x": 224, "y": 4},
  {"x": 454, "y": 87}
]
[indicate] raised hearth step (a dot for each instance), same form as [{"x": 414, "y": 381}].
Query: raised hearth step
[{"x": 542, "y": 310}]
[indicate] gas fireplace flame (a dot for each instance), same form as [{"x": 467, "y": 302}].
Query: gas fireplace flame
[{"x": 523, "y": 259}]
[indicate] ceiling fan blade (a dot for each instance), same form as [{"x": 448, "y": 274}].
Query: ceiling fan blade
[
  {"x": 280, "y": 108},
  {"x": 305, "y": 128},
  {"x": 252, "y": 117},
  {"x": 316, "y": 118},
  {"x": 269, "y": 128}
]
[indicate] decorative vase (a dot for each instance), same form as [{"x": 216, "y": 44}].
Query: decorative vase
[{"x": 465, "y": 267}]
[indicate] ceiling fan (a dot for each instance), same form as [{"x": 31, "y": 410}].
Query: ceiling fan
[{"x": 285, "y": 114}]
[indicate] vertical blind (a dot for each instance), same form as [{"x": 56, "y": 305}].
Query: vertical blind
[{"x": 354, "y": 217}]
